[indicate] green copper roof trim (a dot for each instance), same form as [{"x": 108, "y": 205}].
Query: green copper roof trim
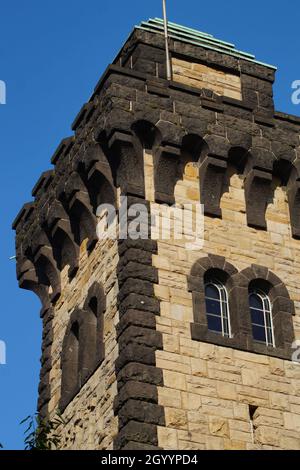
[
  {"x": 198, "y": 38},
  {"x": 184, "y": 28},
  {"x": 192, "y": 32},
  {"x": 210, "y": 41}
]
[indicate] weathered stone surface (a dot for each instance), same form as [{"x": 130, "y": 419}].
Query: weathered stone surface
[{"x": 214, "y": 138}]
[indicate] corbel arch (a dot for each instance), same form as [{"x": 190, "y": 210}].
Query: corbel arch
[
  {"x": 101, "y": 189},
  {"x": 171, "y": 159},
  {"x": 293, "y": 194},
  {"x": 283, "y": 170},
  {"x": 239, "y": 161},
  {"x": 46, "y": 267},
  {"x": 65, "y": 250},
  {"x": 216, "y": 170},
  {"x": 125, "y": 155},
  {"x": 148, "y": 134},
  {"x": 78, "y": 206},
  {"x": 28, "y": 279}
]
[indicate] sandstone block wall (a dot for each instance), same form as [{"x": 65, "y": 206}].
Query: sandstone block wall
[
  {"x": 202, "y": 76},
  {"x": 216, "y": 397},
  {"x": 89, "y": 417}
]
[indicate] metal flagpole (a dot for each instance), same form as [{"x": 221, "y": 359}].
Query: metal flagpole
[{"x": 168, "y": 60}]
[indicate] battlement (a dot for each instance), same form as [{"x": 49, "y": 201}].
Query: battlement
[{"x": 219, "y": 131}]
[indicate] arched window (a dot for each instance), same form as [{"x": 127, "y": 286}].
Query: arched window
[
  {"x": 94, "y": 308},
  {"x": 83, "y": 345},
  {"x": 261, "y": 317},
  {"x": 249, "y": 310},
  {"x": 217, "y": 308},
  {"x": 92, "y": 347},
  {"x": 70, "y": 362}
]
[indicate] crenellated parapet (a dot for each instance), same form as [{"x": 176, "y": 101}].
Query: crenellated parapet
[
  {"x": 86, "y": 174},
  {"x": 179, "y": 126}
]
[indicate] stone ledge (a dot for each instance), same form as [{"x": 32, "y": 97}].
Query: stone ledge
[{"x": 200, "y": 333}]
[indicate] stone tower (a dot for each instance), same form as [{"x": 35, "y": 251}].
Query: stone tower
[{"x": 147, "y": 344}]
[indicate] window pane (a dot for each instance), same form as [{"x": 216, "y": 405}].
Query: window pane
[
  {"x": 212, "y": 292},
  {"x": 213, "y": 306},
  {"x": 225, "y": 309},
  {"x": 255, "y": 301},
  {"x": 259, "y": 333},
  {"x": 217, "y": 309},
  {"x": 267, "y": 306},
  {"x": 226, "y": 328},
  {"x": 268, "y": 320},
  {"x": 261, "y": 318},
  {"x": 270, "y": 337},
  {"x": 214, "y": 323},
  {"x": 257, "y": 317},
  {"x": 223, "y": 295}
]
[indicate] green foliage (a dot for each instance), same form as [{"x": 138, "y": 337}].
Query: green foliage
[{"x": 40, "y": 434}]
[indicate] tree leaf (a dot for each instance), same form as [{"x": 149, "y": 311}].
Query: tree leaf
[{"x": 25, "y": 419}]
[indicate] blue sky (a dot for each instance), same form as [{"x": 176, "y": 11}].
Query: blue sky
[{"x": 52, "y": 54}]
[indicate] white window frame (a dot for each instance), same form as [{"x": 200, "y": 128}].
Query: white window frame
[
  {"x": 224, "y": 305},
  {"x": 267, "y": 310}
]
